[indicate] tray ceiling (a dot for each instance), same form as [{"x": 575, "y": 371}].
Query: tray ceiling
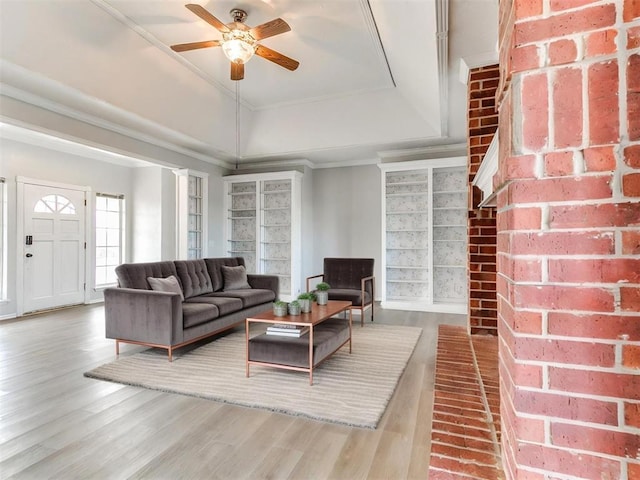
[{"x": 370, "y": 79}]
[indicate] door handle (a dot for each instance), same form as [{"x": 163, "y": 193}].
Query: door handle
[{"x": 29, "y": 255}]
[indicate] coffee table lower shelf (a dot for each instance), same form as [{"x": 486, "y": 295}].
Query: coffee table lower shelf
[{"x": 300, "y": 353}]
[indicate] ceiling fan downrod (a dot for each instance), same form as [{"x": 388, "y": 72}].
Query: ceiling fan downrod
[{"x": 238, "y": 15}]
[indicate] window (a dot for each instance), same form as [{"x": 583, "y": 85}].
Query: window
[
  {"x": 3, "y": 240},
  {"x": 55, "y": 204},
  {"x": 191, "y": 213},
  {"x": 109, "y": 237}
]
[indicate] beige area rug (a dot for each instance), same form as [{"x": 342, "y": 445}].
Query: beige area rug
[{"x": 351, "y": 389}]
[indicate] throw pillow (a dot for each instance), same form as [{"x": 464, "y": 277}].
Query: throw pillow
[
  {"x": 169, "y": 284},
  {"x": 235, "y": 278}
]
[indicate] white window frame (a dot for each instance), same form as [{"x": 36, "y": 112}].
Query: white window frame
[{"x": 122, "y": 212}]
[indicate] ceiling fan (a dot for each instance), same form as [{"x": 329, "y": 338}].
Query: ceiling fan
[{"x": 240, "y": 42}]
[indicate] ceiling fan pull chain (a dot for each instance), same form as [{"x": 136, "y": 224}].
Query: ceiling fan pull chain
[{"x": 237, "y": 123}]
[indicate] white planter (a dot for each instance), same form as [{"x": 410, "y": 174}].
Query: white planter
[
  {"x": 280, "y": 310},
  {"x": 294, "y": 309},
  {"x": 322, "y": 297},
  {"x": 305, "y": 305}
]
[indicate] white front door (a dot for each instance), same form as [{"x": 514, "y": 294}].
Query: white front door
[{"x": 53, "y": 247}]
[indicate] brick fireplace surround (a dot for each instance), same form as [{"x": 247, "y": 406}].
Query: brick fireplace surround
[{"x": 567, "y": 276}]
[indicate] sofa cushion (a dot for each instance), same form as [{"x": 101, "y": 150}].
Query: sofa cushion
[
  {"x": 250, "y": 297},
  {"x": 194, "y": 277},
  {"x": 213, "y": 266},
  {"x": 235, "y": 278},
  {"x": 352, "y": 295},
  {"x": 169, "y": 284},
  {"x": 198, "y": 313},
  {"x": 134, "y": 275},
  {"x": 225, "y": 305}
]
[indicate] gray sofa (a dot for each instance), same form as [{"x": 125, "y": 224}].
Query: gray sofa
[{"x": 136, "y": 313}]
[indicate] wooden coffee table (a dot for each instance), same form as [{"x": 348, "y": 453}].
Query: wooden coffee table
[{"x": 326, "y": 335}]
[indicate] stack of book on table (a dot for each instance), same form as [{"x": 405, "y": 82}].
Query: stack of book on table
[{"x": 287, "y": 330}]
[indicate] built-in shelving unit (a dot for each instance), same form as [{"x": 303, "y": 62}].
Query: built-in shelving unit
[
  {"x": 263, "y": 225},
  {"x": 424, "y": 235}
]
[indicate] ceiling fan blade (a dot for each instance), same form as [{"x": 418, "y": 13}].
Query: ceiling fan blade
[
  {"x": 278, "y": 58},
  {"x": 237, "y": 71},
  {"x": 183, "y": 47},
  {"x": 269, "y": 29},
  {"x": 207, "y": 17}
]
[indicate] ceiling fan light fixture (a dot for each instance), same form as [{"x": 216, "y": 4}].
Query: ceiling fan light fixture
[{"x": 238, "y": 46}]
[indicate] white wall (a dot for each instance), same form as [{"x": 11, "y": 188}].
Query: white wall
[
  {"x": 146, "y": 215},
  {"x": 308, "y": 230},
  {"x": 347, "y": 214},
  {"x": 149, "y": 194},
  {"x": 20, "y": 159},
  {"x": 341, "y": 207}
]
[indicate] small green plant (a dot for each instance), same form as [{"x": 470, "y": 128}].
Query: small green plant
[
  {"x": 279, "y": 303},
  {"x": 306, "y": 296},
  {"x": 295, "y": 303},
  {"x": 323, "y": 286}
]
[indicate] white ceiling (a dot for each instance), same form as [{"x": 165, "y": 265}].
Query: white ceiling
[{"x": 371, "y": 82}]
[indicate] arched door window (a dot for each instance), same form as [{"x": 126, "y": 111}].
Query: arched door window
[{"x": 55, "y": 204}]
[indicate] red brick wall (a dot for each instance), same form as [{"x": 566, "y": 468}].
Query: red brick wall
[
  {"x": 568, "y": 238},
  {"x": 483, "y": 123}
]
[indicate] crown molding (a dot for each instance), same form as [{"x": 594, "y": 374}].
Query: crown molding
[
  {"x": 433, "y": 151},
  {"x": 483, "y": 178},
  {"x": 475, "y": 61},
  {"x": 40, "y": 137},
  {"x": 48, "y": 90}
]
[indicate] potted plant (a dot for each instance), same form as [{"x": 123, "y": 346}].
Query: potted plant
[
  {"x": 280, "y": 308},
  {"x": 305, "y": 300},
  {"x": 322, "y": 294},
  {"x": 294, "y": 308}
]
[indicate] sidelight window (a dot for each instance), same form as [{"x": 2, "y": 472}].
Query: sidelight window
[{"x": 109, "y": 226}]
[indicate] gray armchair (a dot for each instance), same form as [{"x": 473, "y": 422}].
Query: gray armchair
[{"x": 350, "y": 279}]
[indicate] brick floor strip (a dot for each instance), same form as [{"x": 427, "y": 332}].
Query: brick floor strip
[{"x": 465, "y": 431}]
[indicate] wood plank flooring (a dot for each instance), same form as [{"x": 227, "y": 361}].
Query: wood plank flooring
[{"x": 55, "y": 423}]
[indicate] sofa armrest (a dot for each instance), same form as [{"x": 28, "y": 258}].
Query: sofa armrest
[
  {"x": 143, "y": 315},
  {"x": 267, "y": 282}
]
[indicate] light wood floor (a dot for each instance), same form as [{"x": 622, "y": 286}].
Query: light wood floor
[{"x": 55, "y": 423}]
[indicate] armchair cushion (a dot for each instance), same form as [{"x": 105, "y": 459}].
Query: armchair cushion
[
  {"x": 347, "y": 273},
  {"x": 352, "y": 295}
]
